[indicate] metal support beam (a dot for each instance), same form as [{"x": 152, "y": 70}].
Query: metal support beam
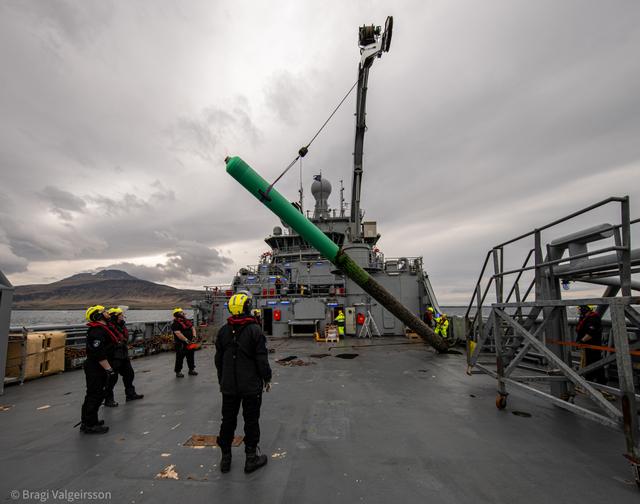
[
  {"x": 516, "y": 360},
  {"x": 625, "y": 264},
  {"x": 625, "y": 378},
  {"x": 592, "y": 415},
  {"x": 595, "y": 395}
]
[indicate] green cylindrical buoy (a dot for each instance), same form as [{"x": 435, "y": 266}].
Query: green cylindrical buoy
[{"x": 279, "y": 205}]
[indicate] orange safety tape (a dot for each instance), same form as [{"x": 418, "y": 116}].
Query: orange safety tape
[{"x": 593, "y": 347}]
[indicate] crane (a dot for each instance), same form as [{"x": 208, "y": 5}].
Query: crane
[{"x": 373, "y": 42}]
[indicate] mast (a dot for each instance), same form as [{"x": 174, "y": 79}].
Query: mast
[{"x": 372, "y": 45}]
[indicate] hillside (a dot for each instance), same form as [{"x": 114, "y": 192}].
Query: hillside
[{"x": 107, "y": 287}]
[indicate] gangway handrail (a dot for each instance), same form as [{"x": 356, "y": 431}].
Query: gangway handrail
[{"x": 612, "y": 199}]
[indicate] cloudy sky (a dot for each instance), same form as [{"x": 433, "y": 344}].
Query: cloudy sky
[{"x": 485, "y": 120}]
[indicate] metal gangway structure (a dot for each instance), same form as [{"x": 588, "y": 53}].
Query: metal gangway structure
[{"x": 527, "y": 338}]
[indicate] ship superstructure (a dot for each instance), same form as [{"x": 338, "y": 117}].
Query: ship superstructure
[{"x": 296, "y": 289}]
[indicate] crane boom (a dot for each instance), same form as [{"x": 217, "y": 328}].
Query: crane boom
[{"x": 373, "y": 42}]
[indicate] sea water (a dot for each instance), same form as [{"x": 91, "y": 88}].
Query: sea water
[{"x": 72, "y": 317}]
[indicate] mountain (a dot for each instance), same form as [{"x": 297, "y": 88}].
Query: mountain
[{"x": 106, "y": 287}]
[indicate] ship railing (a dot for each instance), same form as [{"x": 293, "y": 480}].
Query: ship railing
[
  {"x": 400, "y": 264},
  {"x": 284, "y": 294},
  {"x": 531, "y": 344},
  {"x": 145, "y": 338}
]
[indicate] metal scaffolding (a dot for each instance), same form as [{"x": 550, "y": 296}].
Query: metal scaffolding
[{"x": 529, "y": 344}]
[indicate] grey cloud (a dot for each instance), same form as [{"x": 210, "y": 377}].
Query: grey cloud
[
  {"x": 69, "y": 21},
  {"x": 196, "y": 259},
  {"x": 283, "y": 94},
  {"x": 130, "y": 202},
  {"x": 483, "y": 121},
  {"x": 114, "y": 207},
  {"x": 187, "y": 260},
  {"x": 209, "y": 134},
  {"x": 63, "y": 203},
  {"x": 11, "y": 263}
]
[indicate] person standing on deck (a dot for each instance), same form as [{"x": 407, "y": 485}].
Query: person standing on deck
[
  {"x": 242, "y": 363},
  {"x": 101, "y": 342},
  {"x": 442, "y": 325},
  {"x": 257, "y": 314},
  {"x": 121, "y": 362},
  {"x": 183, "y": 336},
  {"x": 428, "y": 316},
  {"x": 589, "y": 331},
  {"x": 339, "y": 320}
]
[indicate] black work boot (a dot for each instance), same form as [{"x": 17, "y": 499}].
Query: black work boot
[
  {"x": 94, "y": 429},
  {"x": 254, "y": 461},
  {"x": 193, "y": 372},
  {"x": 134, "y": 396},
  {"x": 179, "y": 374},
  {"x": 225, "y": 462},
  {"x": 109, "y": 402}
]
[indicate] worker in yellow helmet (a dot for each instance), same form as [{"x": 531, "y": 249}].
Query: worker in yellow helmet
[
  {"x": 257, "y": 314},
  {"x": 183, "y": 336},
  {"x": 339, "y": 320},
  {"x": 442, "y": 325},
  {"x": 429, "y": 314},
  {"x": 242, "y": 363},
  {"x": 121, "y": 362},
  {"x": 100, "y": 345}
]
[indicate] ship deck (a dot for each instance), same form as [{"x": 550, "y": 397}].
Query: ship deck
[{"x": 395, "y": 424}]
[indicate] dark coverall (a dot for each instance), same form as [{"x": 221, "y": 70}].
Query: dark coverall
[
  {"x": 100, "y": 346},
  {"x": 590, "y": 324},
  {"x": 121, "y": 363},
  {"x": 184, "y": 326},
  {"x": 242, "y": 362}
]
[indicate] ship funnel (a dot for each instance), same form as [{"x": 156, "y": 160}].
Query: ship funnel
[{"x": 321, "y": 189}]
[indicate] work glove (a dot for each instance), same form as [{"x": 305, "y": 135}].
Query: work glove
[{"x": 267, "y": 387}]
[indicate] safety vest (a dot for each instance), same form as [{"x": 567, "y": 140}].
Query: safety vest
[{"x": 442, "y": 324}]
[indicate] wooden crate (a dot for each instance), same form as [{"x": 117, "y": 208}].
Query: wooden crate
[
  {"x": 412, "y": 335},
  {"x": 331, "y": 333},
  {"x": 39, "y": 354}
]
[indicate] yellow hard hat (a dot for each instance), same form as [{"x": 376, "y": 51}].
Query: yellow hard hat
[
  {"x": 115, "y": 311},
  {"x": 239, "y": 303},
  {"x": 177, "y": 310},
  {"x": 93, "y": 309},
  {"x": 430, "y": 309}
]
